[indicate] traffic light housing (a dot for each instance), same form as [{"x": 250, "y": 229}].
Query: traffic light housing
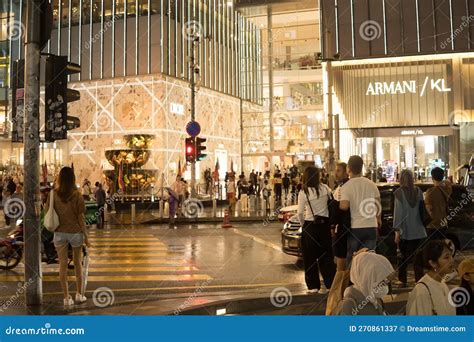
[
  {"x": 57, "y": 97},
  {"x": 190, "y": 149},
  {"x": 200, "y": 148},
  {"x": 18, "y": 99}
]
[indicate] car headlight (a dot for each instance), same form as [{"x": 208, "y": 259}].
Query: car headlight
[{"x": 286, "y": 225}]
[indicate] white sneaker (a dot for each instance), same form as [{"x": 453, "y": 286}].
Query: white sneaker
[
  {"x": 312, "y": 291},
  {"x": 68, "y": 301},
  {"x": 323, "y": 290},
  {"x": 80, "y": 298}
]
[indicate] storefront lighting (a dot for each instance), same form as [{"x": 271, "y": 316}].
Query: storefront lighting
[{"x": 220, "y": 312}]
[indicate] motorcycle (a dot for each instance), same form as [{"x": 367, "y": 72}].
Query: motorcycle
[{"x": 11, "y": 248}]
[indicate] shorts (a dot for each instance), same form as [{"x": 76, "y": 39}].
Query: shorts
[{"x": 74, "y": 239}]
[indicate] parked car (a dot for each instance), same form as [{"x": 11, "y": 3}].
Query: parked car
[{"x": 461, "y": 227}]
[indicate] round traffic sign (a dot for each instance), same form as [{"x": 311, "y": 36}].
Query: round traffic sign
[{"x": 193, "y": 128}]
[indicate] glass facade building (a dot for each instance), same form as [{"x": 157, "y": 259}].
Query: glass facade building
[
  {"x": 135, "y": 59},
  {"x": 123, "y": 38}
]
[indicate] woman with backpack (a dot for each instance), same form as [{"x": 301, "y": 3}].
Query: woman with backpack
[
  {"x": 430, "y": 296},
  {"x": 407, "y": 222},
  {"x": 70, "y": 208},
  {"x": 316, "y": 242}
]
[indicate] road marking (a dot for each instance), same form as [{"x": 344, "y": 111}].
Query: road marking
[
  {"x": 138, "y": 239},
  {"x": 134, "y": 255},
  {"x": 119, "y": 278},
  {"x": 131, "y": 243},
  {"x": 198, "y": 286},
  {"x": 96, "y": 269},
  {"x": 125, "y": 249},
  {"x": 143, "y": 262},
  {"x": 257, "y": 239}
]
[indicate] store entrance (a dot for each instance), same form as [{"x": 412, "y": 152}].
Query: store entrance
[{"x": 385, "y": 157}]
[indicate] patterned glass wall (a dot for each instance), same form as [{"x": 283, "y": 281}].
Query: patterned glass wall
[{"x": 118, "y": 38}]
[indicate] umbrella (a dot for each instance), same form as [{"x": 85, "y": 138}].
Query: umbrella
[{"x": 85, "y": 269}]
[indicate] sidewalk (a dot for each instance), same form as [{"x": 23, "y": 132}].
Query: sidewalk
[
  {"x": 247, "y": 302},
  {"x": 204, "y": 215}
]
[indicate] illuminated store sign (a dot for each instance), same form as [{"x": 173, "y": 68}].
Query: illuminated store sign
[
  {"x": 405, "y": 87},
  {"x": 412, "y": 132},
  {"x": 177, "y": 108}
]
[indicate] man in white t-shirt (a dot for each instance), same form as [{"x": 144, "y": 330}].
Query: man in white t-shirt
[{"x": 362, "y": 197}]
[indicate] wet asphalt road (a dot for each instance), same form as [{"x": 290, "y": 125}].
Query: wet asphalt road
[{"x": 146, "y": 261}]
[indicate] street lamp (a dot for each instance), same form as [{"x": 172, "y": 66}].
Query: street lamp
[{"x": 194, "y": 34}]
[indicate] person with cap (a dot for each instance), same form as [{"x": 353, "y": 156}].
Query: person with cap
[
  {"x": 370, "y": 275},
  {"x": 466, "y": 273}
]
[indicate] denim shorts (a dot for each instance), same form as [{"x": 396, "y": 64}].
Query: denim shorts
[{"x": 74, "y": 239}]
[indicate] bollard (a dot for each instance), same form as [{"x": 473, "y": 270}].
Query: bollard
[
  {"x": 166, "y": 211},
  {"x": 132, "y": 206},
  {"x": 272, "y": 202},
  {"x": 161, "y": 208},
  {"x": 226, "y": 223},
  {"x": 214, "y": 207}
]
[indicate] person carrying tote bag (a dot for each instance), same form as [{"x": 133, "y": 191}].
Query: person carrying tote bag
[
  {"x": 67, "y": 202},
  {"x": 51, "y": 219}
]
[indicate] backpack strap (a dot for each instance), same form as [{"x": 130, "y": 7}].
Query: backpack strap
[{"x": 433, "y": 310}]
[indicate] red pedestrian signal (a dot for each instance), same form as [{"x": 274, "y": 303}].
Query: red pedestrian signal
[{"x": 190, "y": 150}]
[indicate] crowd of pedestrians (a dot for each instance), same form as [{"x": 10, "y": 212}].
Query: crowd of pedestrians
[{"x": 339, "y": 237}]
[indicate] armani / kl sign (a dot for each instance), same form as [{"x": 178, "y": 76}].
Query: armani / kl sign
[{"x": 404, "y": 87}]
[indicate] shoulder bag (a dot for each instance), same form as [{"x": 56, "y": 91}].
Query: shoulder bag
[
  {"x": 424, "y": 214},
  {"x": 51, "y": 219}
]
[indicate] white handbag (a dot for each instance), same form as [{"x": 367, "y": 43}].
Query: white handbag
[{"x": 51, "y": 219}]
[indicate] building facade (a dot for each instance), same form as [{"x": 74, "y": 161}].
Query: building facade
[
  {"x": 136, "y": 65},
  {"x": 402, "y": 83}
]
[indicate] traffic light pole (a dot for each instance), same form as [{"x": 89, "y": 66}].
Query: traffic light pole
[
  {"x": 193, "y": 117},
  {"x": 32, "y": 236}
]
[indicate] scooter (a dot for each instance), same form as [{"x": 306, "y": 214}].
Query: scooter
[{"x": 11, "y": 248}]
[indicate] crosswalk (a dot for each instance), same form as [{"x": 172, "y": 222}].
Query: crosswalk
[{"x": 117, "y": 256}]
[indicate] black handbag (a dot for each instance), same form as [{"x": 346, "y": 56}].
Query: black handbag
[
  {"x": 320, "y": 219},
  {"x": 424, "y": 214}
]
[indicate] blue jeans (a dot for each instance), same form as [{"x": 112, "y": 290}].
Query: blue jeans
[{"x": 359, "y": 238}]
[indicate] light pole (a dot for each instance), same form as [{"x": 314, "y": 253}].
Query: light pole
[
  {"x": 33, "y": 277},
  {"x": 195, "y": 71}
]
